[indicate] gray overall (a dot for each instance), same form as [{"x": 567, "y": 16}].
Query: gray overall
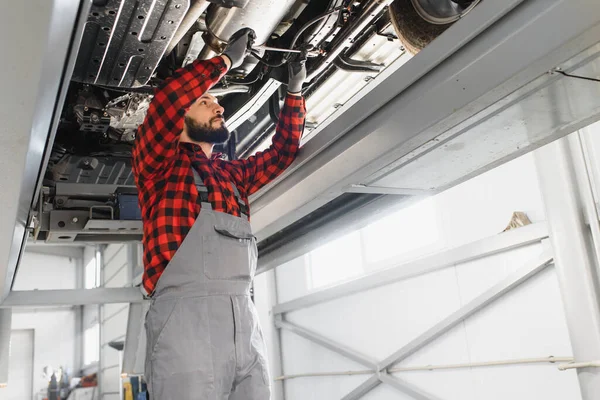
[{"x": 203, "y": 337}]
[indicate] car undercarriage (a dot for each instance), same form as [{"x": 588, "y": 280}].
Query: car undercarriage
[{"x": 128, "y": 48}]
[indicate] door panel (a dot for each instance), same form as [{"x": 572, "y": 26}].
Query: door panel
[{"x": 20, "y": 371}]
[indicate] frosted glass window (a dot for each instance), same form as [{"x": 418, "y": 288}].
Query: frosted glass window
[
  {"x": 91, "y": 274},
  {"x": 98, "y": 268},
  {"x": 91, "y": 344},
  {"x": 336, "y": 261},
  {"x": 405, "y": 234}
]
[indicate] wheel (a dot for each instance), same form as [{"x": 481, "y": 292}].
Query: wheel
[{"x": 419, "y": 22}]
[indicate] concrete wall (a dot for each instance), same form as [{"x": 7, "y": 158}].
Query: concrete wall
[
  {"x": 54, "y": 328},
  {"x": 527, "y": 322}
]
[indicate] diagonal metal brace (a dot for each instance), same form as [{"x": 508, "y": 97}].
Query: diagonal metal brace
[
  {"x": 530, "y": 269},
  {"x": 328, "y": 344}
]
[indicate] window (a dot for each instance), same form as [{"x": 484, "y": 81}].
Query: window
[
  {"x": 336, "y": 261},
  {"x": 91, "y": 274},
  {"x": 404, "y": 235},
  {"x": 91, "y": 344},
  {"x": 98, "y": 268},
  {"x": 407, "y": 234}
]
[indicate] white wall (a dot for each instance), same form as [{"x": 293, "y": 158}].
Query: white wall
[
  {"x": 528, "y": 322},
  {"x": 43, "y": 272},
  {"x": 20, "y": 377},
  {"x": 54, "y": 340},
  {"x": 54, "y": 328}
]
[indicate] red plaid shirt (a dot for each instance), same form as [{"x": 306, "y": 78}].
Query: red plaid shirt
[{"x": 162, "y": 166}]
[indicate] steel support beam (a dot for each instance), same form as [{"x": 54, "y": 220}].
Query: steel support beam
[
  {"x": 479, "y": 249},
  {"x": 5, "y": 328},
  {"x": 404, "y": 387},
  {"x": 328, "y": 344},
  {"x": 530, "y": 269},
  {"x": 353, "y": 355},
  {"x": 363, "y": 388},
  {"x": 42, "y": 298},
  {"x": 394, "y": 124},
  {"x": 512, "y": 281},
  {"x": 32, "y": 98},
  {"x": 567, "y": 195},
  {"x": 387, "y": 190}
]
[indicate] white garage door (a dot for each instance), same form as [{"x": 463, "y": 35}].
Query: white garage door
[{"x": 20, "y": 372}]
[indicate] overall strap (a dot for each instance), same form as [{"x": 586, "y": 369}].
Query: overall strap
[
  {"x": 203, "y": 193},
  {"x": 202, "y": 189}
]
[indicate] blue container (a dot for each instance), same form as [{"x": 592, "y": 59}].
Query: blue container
[{"x": 129, "y": 208}]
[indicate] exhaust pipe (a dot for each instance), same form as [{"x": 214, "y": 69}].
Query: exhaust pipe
[
  {"x": 346, "y": 36},
  {"x": 195, "y": 11},
  {"x": 262, "y": 16}
]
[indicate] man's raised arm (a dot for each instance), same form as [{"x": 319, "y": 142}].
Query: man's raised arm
[
  {"x": 263, "y": 167},
  {"x": 156, "y": 139}
]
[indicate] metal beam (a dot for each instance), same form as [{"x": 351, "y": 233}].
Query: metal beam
[
  {"x": 328, "y": 344},
  {"x": 572, "y": 218},
  {"x": 528, "y": 270},
  {"x": 51, "y": 250},
  {"x": 363, "y": 388},
  {"x": 41, "y": 298},
  {"x": 387, "y": 190},
  {"x": 353, "y": 355},
  {"x": 393, "y": 125},
  {"x": 32, "y": 98},
  {"x": 479, "y": 249},
  {"x": 82, "y": 190},
  {"x": 5, "y": 328},
  {"x": 512, "y": 281},
  {"x": 405, "y": 387}
]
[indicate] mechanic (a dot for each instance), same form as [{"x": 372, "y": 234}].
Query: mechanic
[{"x": 203, "y": 336}]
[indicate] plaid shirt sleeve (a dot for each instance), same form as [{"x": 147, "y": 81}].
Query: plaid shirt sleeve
[
  {"x": 156, "y": 140},
  {"x": 261, "y": 168}
]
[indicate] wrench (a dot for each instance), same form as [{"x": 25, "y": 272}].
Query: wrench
[
  {"x": 310, "y": 53},
  {"x": 269, "y": 48}
]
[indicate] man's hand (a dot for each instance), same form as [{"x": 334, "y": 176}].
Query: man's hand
[
  {"x": 239, "y": 46},
  {"x": 297, "y": 72}
]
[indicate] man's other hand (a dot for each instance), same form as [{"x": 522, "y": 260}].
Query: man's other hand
[
  {"x": 297, "y": 72},
  {"x": 239, "y": 46}
]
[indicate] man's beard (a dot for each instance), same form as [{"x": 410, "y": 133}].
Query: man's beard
[{"x": 205, "y": 132}]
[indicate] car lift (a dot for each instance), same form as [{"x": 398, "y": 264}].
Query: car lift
[{"x": 513, "y": 76}]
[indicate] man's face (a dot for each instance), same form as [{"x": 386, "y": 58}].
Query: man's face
[{"x": 204, "y": 121}]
